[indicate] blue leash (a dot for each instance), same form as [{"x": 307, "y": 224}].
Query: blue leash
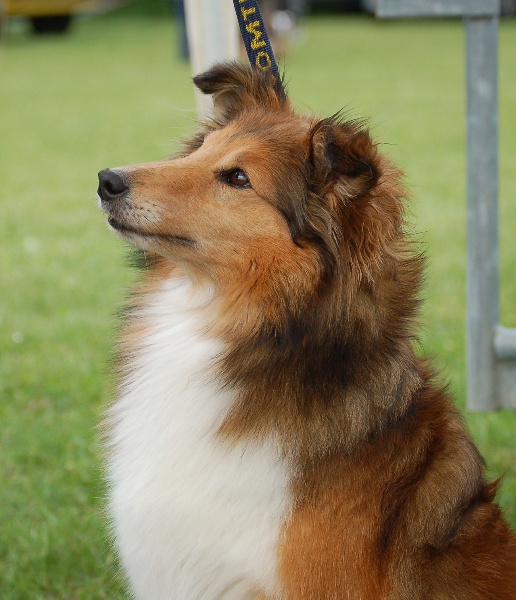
[{"x": 254, "y": 35}]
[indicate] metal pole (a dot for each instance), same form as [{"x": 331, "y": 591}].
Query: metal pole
[{"x": 482, "y": 211}]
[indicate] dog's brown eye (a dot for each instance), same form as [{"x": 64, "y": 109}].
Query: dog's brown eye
[{"x": 237, "y": 178}]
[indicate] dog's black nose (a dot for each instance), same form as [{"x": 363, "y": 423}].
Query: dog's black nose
[{"x": 111, "y": 186}]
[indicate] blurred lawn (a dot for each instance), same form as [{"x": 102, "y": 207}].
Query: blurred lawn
[{"x": 113, "y": 92}]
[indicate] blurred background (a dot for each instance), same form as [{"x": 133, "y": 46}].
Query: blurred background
[{"x": 89, "y": 85}]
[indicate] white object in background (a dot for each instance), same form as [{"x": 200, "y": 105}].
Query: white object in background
[{"x": 213, "y": 37}]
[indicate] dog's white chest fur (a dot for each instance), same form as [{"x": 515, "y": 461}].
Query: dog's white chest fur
[{"x": 193, "y": 518}]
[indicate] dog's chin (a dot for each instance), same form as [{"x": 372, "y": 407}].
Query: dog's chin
[{"x": 129, "y": 234}]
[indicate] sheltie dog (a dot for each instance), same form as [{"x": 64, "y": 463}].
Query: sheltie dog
[{"x": 274, "y": 434}]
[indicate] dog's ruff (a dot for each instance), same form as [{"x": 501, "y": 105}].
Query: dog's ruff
[
  {"x": 191, "y": 514},
  {"x": 274, "y": 435}
]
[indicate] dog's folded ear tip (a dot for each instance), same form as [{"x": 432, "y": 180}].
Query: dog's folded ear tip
[
  {"x": 235, "y": 73},
  {"x": 235, "y": 85},
  {"x": 203, "y": 83}
]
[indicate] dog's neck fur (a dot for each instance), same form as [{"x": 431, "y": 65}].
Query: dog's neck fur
[{"x": 343, "y": 369}]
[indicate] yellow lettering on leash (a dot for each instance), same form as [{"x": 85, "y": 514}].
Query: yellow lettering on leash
[
  {"x": 263, "y": 61},
  {"x": 253, "y": 29},
  {"x": 247, "y": 11}
]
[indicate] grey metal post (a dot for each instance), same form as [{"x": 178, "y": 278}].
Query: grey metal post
[
  {"x": 482, "y": 209},
  {"x": 491, "y": 348}
]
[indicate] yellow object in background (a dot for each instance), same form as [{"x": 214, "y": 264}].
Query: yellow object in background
[{"x": 54, "y": 16}]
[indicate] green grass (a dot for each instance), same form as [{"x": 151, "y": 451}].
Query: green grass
[{"x": 113, "y": 92}]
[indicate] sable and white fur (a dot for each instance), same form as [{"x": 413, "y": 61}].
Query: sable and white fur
[
  {"x": 274, "y": 435},
  {"x": 191, "y": 514}
]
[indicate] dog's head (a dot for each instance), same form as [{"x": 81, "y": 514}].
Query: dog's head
[{"x": 262, "y": 197}]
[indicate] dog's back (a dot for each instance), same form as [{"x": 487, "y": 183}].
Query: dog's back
[{"x": 275, "y": 435}]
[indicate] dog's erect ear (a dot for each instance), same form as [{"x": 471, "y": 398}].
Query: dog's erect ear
[
  {"x": 343, "y": 153},
  {"x": 236, "y": 87}
]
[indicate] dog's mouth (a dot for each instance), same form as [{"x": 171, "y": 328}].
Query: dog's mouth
[
  {"x": 131, "y": 233},
  {"x": 122, "y": 227}
]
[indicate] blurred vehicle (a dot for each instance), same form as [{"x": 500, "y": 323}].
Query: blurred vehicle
[
  {"x": 54, "y": 16},
  {"x": 46, "y": 16}
]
